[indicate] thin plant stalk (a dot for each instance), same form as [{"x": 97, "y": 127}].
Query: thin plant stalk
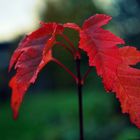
[{"x": 80, "y": 102}]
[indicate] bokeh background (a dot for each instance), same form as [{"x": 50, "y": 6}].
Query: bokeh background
[{"x": 49, "y": 110}]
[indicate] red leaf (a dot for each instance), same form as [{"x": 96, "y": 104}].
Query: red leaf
[
  {"x": 112, "y": 64},
  {"x": 100, "y": 46},
  {"x": 127, "y": 84},
  {"x": 33, "y": 53}
]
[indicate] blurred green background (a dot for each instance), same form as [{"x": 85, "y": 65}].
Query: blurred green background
[{"x": 50, "y": 108}]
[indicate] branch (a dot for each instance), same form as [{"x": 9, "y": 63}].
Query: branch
[
  {"x": 66, "y": 47},
  {"x": 80, "y": 99},
  {"x": 86, "y": 74},
  {"x": 64, "y": 67},
  {"x": 68, "y": 41}
]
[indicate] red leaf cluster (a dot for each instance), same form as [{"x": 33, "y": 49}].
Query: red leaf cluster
[{"x": 112, "y": 63}]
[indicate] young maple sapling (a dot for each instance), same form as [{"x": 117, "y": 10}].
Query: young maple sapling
[{"x": 113, "y": 64}]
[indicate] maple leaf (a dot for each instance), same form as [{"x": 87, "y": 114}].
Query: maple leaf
[
  {"x": 127, "y": 84},
  {"x": 33, "y": 53},
  {"x": 100, "y": 46},
  {"x": 112, "y": 63}
]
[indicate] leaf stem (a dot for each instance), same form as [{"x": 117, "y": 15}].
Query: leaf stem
[
  {"x": 68, "y": 41},
  {"x": 66, "y": 47},
  {"x": 64, "y": 67},
  {"x": 79, "y": 89},
  {"x": 86, "y": 74}
]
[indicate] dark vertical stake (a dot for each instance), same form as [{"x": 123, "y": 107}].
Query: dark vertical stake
[{"x": 79, "y": 88}]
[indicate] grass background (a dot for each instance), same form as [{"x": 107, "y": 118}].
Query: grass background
[{"x": 54, "y": 116}]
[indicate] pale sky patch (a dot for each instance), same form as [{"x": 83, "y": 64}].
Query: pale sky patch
[{"x": 18, "y": 17}]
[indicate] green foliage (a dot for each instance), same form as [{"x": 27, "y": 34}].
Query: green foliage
[{"x": 73, "y": 10}]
